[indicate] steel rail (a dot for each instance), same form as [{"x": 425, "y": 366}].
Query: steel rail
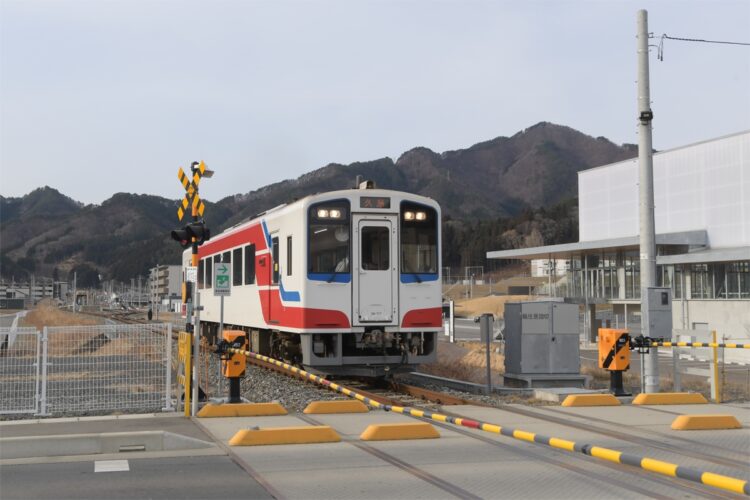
[{"x": 727, "y": 483}]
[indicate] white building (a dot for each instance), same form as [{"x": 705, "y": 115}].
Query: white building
[
  {"x": 702, "y": 212},
  {"x": 165, "y": 285},
  {"x": 541, "y": 268}
]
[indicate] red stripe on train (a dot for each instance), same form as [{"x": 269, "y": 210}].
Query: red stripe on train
[
  {"x": 276, "y": 314},
  {"x": 432, "y": 317},
  {"x": 253, "y": 234}
]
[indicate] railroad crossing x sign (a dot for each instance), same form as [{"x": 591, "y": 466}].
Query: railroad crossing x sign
[
  {"x": 222, "y": 279},
  {"x": 191, "y": 197}
]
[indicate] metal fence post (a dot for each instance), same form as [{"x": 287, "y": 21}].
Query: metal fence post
[
  {"x": 38, "y": 363},
  {"x": 451, "y": 322},
  {"x": 168, "y": 371},
  {"x": 676, "y": 375},
  {"x": 485, "y": 328},
  {"x": 45, "y": 351}
]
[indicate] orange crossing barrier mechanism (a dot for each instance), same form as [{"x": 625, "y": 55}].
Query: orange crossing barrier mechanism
[{"x": 727, "y": 483}]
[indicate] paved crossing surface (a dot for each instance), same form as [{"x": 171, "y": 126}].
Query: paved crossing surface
[{"x": 462, "y": 463}]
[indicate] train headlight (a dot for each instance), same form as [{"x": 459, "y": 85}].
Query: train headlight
[
  {"x": 421, "y": 216},
  {"x": 408, "y": 215},
  {"x": 322, "y": 213},
  {"x": 335, "y": 214}
]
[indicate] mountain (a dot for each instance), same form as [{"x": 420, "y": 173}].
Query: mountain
[
  {"x": 504, "y": 186},
  {"x": 534, "y": 168}
]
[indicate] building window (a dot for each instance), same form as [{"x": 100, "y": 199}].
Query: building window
[
  {"x": 737, "y": 279},
  {"x": 632, "y": 265},
  {"x": 249, "y": 264},
  {"x": 743, "y": 278},
  {"x": 701, "y": 281},
  {"x": 671, "y": 277},
  {"x": 237, "y": 269}
]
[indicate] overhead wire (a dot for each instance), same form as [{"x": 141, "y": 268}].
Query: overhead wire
[{"x": 664, "y": 36}]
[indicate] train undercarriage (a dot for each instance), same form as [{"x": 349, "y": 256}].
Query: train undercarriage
[{"x": 372, "y": 353}]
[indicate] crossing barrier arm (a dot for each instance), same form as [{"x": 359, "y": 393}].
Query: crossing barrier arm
[
  {"x": 641, "y": 342},
  {"x": 726, "y": 483}
]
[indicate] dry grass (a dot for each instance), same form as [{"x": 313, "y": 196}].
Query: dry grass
[
  {"x": 470, "y": 366},
  {"x": 494, "y": 304},
  {"x": 46, "y": 314},
  {"x": 450, "y": 369},
  {"x": 477, "y": 357}
]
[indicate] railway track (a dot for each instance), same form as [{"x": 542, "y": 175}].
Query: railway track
[{"x": 419, "y": 403}]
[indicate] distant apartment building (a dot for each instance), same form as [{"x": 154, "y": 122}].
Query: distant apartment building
[
  {"x": 14, "y": 293},
  {"x": 702, "y": 213},
  {"x": 165, "y": 284}
]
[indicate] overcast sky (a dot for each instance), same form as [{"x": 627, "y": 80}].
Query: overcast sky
[{"x": 99, "y": 97}]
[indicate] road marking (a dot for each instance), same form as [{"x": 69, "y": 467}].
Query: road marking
[{"x": 111, "y": 466}]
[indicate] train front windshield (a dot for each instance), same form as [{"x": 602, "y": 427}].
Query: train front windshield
[
  {"x": 419, "y": 242},
  {"x": 329, "y": 240}
]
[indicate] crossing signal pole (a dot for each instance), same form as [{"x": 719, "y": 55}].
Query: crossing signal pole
[
  {"x": 194, "y": 234},
  {"x": 646, "y": 197}
]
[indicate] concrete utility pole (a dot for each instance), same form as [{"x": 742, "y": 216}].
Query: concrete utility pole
[{"x": 646, "y": 196}]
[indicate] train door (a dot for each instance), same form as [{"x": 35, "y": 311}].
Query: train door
[
  {"x": 374, "y": 254},
  {"x": 274, "y": 304}
]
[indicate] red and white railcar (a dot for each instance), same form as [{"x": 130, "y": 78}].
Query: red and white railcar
[{"x": 345, "y": 282}]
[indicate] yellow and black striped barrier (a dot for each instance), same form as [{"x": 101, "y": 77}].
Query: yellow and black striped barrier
[
  {"x": 699, "y": 344},
  {"x": 727, "y": 483}
]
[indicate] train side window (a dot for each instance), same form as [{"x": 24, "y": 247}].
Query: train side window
[
  {"x": 275, "y": 255},
  {"x": 200, "y": 273},
  {"x": 237, "y": 267},
  {"x": 226, "y": 258},
  {"x": 249, "y": 264},
  {"x": 288, "y": 255},
  {"x": 209, "y": 272}
]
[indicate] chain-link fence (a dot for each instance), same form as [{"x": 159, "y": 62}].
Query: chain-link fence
[
  {"x": 75, "y": 370},
  {"x": 19, "y": 370}
]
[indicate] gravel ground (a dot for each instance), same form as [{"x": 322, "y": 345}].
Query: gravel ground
[
  {"x": 496, "y": 400},
  {"x": 265, "y": 386}
]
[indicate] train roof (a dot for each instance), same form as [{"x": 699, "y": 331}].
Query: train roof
[{"x": 329, "y": 195}]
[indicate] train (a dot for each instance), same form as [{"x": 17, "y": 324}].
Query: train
[{"x": 344, "y": 283}]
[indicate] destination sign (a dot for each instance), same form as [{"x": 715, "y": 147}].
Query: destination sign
[{"x": 374, "y": 202}]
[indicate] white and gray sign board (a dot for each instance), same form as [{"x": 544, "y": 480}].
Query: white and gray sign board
[{"x": 222, "y": 279}]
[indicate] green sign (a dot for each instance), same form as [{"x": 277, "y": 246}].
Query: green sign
[{"x": 222, "y": 279}]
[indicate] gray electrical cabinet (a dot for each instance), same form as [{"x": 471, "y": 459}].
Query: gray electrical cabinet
[
  {"x": 542, "y": 338},
  {"x": 658, "y": 312}
]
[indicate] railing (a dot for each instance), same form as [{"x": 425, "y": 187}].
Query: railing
[{"x": 76, "y": 370}]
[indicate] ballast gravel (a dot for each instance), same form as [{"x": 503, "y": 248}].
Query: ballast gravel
[{"x": 264, "y": 386}]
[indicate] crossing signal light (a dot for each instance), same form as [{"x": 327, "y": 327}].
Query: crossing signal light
[{"x": 197, "y": 230}]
